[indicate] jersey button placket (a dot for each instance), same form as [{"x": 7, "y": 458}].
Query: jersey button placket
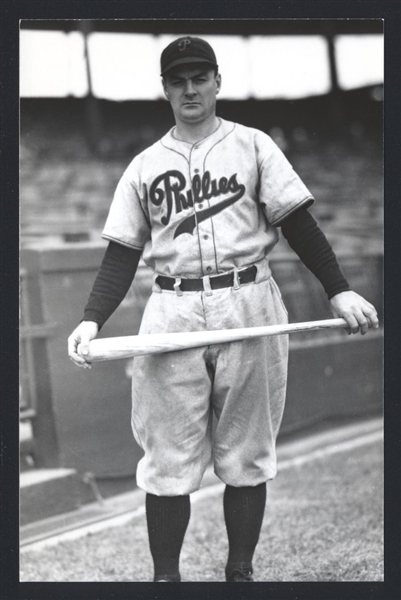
[
  {"x": 205, "y": 227},
  {"x": 207, "y": 246},
  {"x": 196, "y": 170}
]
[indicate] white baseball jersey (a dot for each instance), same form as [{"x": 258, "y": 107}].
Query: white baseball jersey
[{"x": 205, "y": 208}]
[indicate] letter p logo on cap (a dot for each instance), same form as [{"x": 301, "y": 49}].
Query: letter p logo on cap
[{"x": 182, "y": 44}]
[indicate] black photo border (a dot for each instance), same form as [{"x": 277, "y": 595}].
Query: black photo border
[{"x": 11, "y": 14}]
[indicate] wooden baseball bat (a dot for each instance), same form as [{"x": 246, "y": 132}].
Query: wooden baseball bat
[{"x": 136, "y": 345}]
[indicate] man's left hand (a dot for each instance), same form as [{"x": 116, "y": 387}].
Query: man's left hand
[{"x": 358, "y": 312}]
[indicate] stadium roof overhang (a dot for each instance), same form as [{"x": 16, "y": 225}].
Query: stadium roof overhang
[{"x": 216, "y": 26}]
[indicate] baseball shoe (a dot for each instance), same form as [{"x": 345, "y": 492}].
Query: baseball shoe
[{"x": 239, "y": 574}]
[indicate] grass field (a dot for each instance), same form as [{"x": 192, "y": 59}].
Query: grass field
[{"x": 323, "y": 522}]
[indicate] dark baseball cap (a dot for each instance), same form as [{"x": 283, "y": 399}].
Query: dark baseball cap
[{"x": 186, "y": 50}]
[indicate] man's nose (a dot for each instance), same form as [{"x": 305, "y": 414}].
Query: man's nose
[{"x": 190, "y": 90}]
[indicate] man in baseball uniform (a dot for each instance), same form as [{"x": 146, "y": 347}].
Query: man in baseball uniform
[{"x": 203, "y": 206}]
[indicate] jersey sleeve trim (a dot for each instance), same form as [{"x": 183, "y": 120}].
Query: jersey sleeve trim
[
  {"x": 123, "y": 243},
  {"x": 308, "y": 201}
]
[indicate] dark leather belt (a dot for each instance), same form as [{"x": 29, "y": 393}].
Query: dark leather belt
[{"x": 216, "y": 281}]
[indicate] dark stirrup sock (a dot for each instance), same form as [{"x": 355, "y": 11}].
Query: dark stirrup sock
[
  {"x": 167, "y": 519},
  {"x": 244, "y": 508}
]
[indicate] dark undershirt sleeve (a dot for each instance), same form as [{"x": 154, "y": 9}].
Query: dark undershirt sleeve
[
  {"x": 309, "y": 242},
  {"x": 120, "y": 263},
  {"x": 112, "y": 282}
]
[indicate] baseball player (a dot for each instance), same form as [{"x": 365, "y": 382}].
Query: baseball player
[{"x": 203, "y": 206}]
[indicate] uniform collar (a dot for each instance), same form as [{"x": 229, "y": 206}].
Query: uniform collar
[{"x": 185, "y": 148}]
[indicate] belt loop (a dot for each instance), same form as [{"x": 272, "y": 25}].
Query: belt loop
[
  {"x": 236, "y": 282},
  {"x": 206, "y": 285},
  {"x": 177, "y": 288}
]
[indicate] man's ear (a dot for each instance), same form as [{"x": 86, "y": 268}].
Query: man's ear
[
  {"x": 218, "y": 83},
  {"x": 165, "y": 88}
]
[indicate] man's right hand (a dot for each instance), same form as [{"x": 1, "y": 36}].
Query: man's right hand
[{"x": 81, "y": 336}]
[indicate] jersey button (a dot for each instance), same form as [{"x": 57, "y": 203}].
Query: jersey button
[
  {"x": 205, "y": 237},
  {"x": 196, "y": 170},
  {"x": 209, "y": 269},
  {"x": 200, "y": 206}
]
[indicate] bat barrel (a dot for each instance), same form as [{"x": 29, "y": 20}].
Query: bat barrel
[{"x": 137, "y": 345}]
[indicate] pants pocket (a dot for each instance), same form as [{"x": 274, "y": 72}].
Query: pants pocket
[{"x": 277, "y": 289}]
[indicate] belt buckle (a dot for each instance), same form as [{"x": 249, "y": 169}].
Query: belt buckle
[
  {"x": 177, "y": 288},
  {"x": 206, "y": 285}
]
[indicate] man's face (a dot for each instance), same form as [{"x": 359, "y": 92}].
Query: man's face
[{"x": 192, "y": 91}]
